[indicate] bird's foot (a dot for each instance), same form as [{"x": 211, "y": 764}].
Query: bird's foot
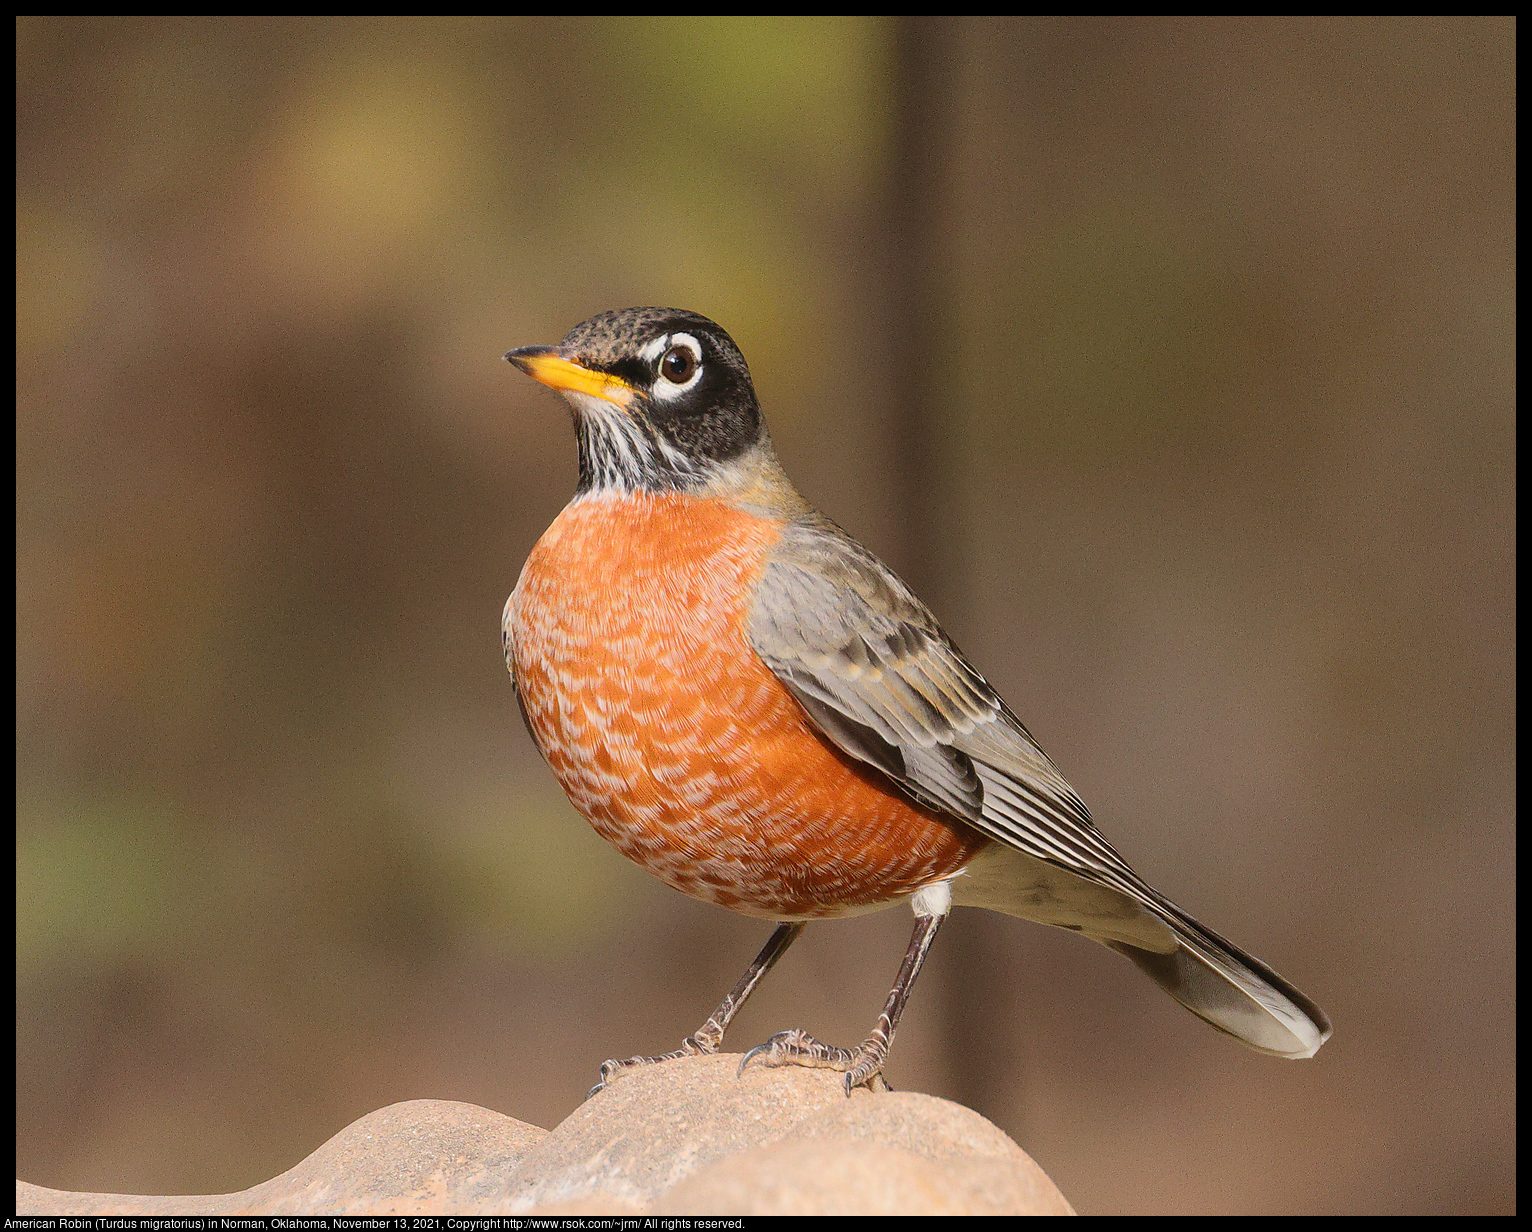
[
  {"x": 698, "y": 1045},
  {"x": 862, "y": 1066}
]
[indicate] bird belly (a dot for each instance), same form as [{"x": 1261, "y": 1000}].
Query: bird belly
[{"x": 673, "y": 739}]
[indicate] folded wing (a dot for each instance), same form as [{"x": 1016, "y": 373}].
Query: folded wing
[{"x": 880, "y": 679}]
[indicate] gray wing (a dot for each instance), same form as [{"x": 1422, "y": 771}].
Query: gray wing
[
  {"x": 875, "y": 672},
  {"x": 879, "y": 677}
]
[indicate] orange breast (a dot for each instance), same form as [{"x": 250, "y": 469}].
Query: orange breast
[{"x": 677, "y": 743}]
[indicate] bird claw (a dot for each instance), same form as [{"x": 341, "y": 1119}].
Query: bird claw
[
  {"x": 799, "y": 1048},
  {"x": 862, "y": 1066},
  {"x": 691, "y": 1046}
]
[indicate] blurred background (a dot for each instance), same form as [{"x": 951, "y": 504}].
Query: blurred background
[{"x": 1171, "y": 359}]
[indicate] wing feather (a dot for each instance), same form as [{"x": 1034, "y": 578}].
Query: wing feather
[
  {"x": 878, "y": 676},
  {"x": 874, "y": 671}
]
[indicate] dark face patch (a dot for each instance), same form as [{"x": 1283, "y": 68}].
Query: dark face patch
[{"x": 713, "y": 420}]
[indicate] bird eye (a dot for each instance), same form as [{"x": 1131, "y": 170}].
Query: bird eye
[{"x": 679, "y": 365}]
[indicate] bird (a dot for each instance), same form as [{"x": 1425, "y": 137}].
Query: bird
[{"x": 750, "y": 705}]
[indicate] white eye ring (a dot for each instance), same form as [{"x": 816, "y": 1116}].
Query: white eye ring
[{"x": 665, "y": 388}]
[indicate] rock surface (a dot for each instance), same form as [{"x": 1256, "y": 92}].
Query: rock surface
[{"x": 684, "y": 1138}]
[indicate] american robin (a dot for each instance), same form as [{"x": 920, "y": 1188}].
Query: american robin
[{"x": 746, "y": 702}]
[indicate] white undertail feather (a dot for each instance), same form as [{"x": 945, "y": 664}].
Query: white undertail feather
[{"x": 933, "y": 899}]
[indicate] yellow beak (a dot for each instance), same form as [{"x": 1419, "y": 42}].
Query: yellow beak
[{"x": 545, "y": 364}]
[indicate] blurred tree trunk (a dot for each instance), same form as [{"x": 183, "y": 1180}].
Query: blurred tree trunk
[{"x": 927, "y": 447}]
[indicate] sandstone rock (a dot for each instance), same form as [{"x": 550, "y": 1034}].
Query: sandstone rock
[{"x": 687, "y": 1137}]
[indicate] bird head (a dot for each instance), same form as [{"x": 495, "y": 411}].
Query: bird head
[{"x": 662, "y": 400}]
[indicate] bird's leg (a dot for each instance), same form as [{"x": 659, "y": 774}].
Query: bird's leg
[
  {"x": 863, "y": 1065},
  {"x": 709, "y": 1035}
]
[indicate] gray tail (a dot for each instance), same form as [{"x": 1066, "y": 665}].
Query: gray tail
[{"x": 1225, "y": 987}]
